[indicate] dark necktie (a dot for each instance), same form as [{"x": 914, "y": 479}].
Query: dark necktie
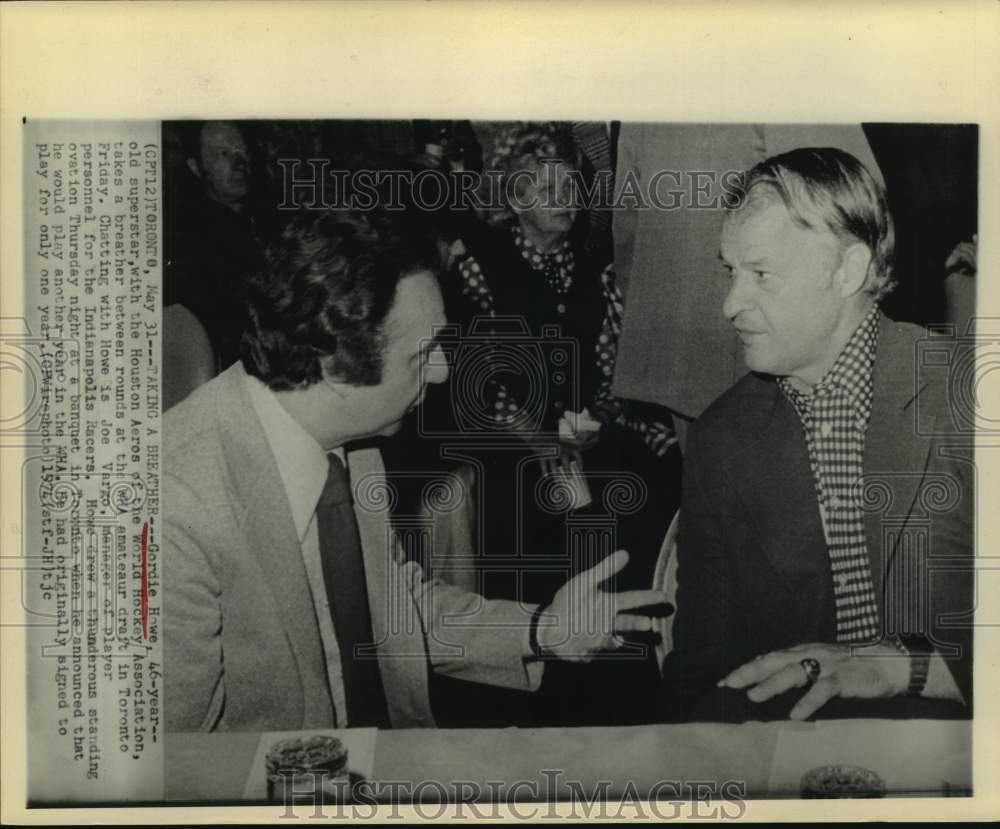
[{"x": 347, "y": 591}]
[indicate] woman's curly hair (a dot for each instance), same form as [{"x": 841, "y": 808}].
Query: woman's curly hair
[{"x": 525, "y": 146}]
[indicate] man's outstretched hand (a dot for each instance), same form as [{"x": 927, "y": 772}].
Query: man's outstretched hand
[{"x": 583, "y": 619}]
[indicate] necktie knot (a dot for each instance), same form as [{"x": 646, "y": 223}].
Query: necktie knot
[{"x": 337, "y": 490}]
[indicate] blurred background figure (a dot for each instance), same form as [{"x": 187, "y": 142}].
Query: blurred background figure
[
  {"x": 215, "y": 234},
  {"x": 531, "y": 264},
  {"x": 448, "y": 149},
  {"x": 222, "y": 164}
]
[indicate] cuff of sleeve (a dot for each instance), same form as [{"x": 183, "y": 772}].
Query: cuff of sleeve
[
  {"x": 534, "y": 670},
  {"x": 535, "y": 657}
]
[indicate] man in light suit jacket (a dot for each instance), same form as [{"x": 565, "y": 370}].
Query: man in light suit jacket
[
  {"x": 826, "y": 524},
  {"x": 287, "y": 603}
]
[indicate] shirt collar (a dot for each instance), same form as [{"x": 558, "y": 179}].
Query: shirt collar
[
  {"x": 301, "y": 461},
  {"x": 851, "y": 373}
]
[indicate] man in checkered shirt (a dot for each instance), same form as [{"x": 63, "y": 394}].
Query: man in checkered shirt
[{"x": 825, "y": 539}]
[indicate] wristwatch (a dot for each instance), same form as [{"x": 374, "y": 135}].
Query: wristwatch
[
  {"x": 536, "y": 648},
  {"x": 920, "y": 651}
]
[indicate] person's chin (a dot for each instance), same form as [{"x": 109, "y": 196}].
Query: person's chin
[
  {"x": 392, "y": 429},
  {"x": 758, "y": 360},
  {"x": 238, "y": 187},
  {"x": 560, "y": 223}
]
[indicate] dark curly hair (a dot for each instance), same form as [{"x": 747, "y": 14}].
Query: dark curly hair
[{"x": 321, "y": 299}]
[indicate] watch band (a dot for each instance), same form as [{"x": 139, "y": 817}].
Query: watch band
[
  {"x": 919, "y": 650},
  {"x": 536, "y": 648},
  {"x": 919, "y": 665}
]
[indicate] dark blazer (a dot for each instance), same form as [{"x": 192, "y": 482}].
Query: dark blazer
[{"x": 753, "y": 566}]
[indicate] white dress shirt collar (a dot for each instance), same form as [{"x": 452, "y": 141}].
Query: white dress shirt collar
[{"x": 301, "y": 461}]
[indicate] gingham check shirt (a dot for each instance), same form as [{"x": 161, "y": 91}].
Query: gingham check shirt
[{"x": 835, "y": 417}]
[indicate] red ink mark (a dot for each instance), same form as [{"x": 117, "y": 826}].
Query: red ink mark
[{"x": 144, "y": 595}]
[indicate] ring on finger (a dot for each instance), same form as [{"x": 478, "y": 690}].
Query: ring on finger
[{"x": 812, "y": 669}]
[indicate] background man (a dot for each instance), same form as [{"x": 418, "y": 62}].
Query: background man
[
  {"x": 217, "y": 237},
  {"x": 808, "y": 541},
  {"x": 287, "y": 603}
]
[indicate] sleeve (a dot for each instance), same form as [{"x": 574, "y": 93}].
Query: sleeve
[
  {"x": 940, "y": 567},
  {"x": 708, "y": 615},
  {"x": 474, "y": 638},
  {"x": 607, "y": 341},
  {"x": 952, "y": 574},
  {"x": 506, "y": 408},
  {"x": 193, "y": 670},
  {"x": 474, "y": 288}
]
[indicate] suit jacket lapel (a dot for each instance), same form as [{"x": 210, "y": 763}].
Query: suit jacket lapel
[
  {"x": 269, "y": 526},
  {"x": 774, "y": 481},
  {"x": 895, "y": 460},
  {"x": 396, "y": 627}
]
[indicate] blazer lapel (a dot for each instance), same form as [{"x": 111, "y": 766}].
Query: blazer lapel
[
  {"x": 396, "y": 626},
  {"x": 895, "y": 459},
  {"x": 773, "y": 480},
  {"x": 269, "y": 526}
]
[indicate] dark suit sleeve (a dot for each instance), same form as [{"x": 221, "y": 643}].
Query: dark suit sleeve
[
  {"x": 952, "y": 588},
  {"x": 707, "y": 618}
]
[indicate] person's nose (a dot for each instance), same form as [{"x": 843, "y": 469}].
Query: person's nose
[
  {"x": 740, "y": 296},
  {"x": 437, "y": 366}
]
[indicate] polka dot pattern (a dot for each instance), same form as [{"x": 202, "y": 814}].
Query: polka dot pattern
[
  {"x": 557, "y": 266},
  {"x": 558, "y": 269},
  {"x": 607, "y": 341},
  {"x": 505, "y": 405},
  {"x": 474, "y": 287}
]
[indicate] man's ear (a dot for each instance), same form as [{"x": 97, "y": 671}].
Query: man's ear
[
  {"x": 194, "y": 168},
  {"x": 331, "y": 380},
  {"x": 853, "y": 271}
]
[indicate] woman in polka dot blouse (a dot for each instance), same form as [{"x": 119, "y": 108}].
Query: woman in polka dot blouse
[
  {"x": 549, "y": 313},
  {"x": 545, "y": 277},
  {"x": 530, "y": 276}
]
